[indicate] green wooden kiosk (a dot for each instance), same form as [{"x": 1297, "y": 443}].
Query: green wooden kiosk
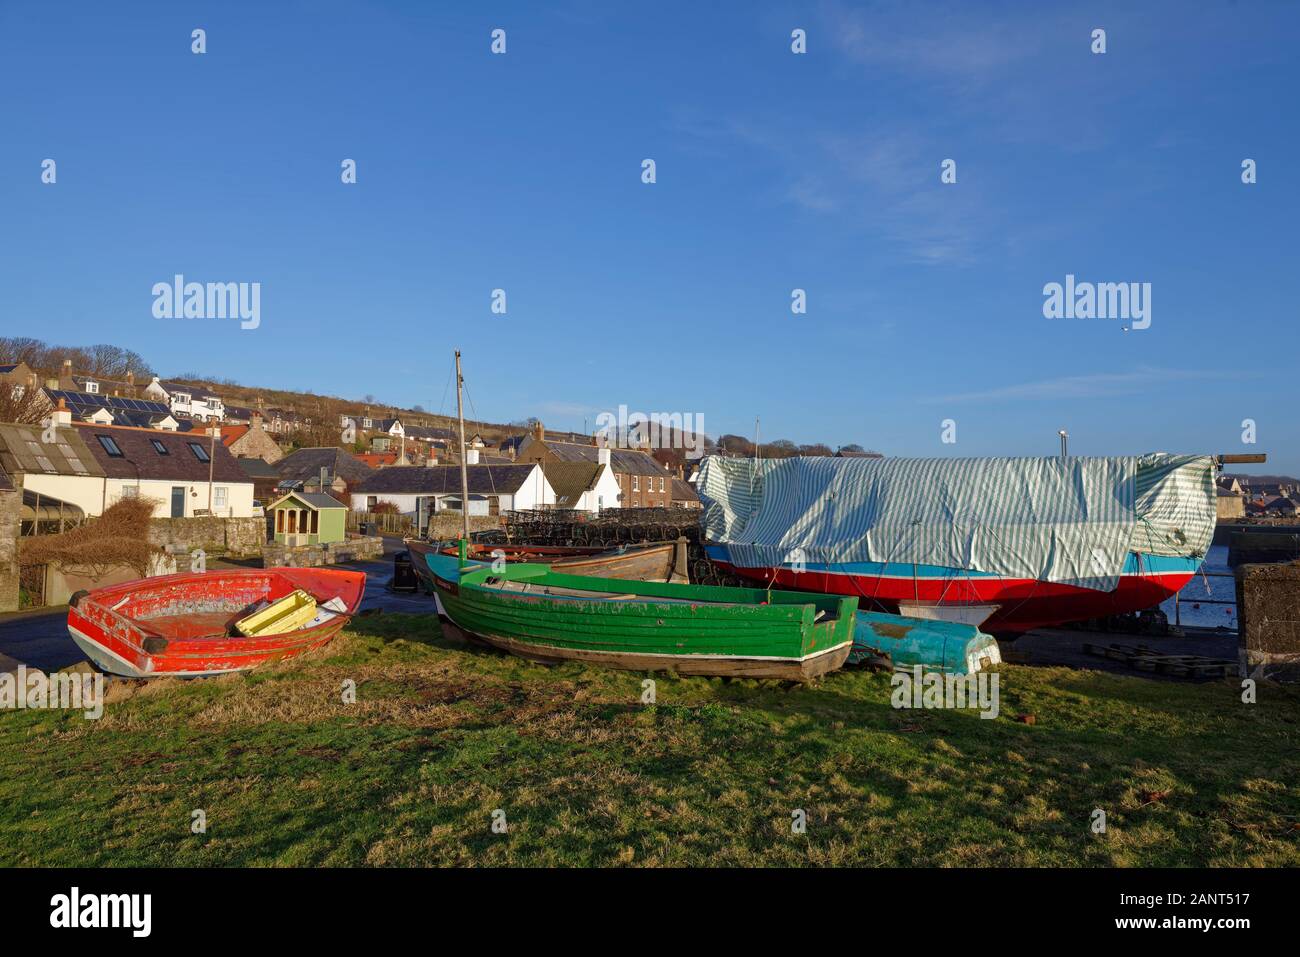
[{"x": 308, "y": 518}]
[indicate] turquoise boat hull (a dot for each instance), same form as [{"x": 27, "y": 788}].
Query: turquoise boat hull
[{"x": 947, "y": 646}]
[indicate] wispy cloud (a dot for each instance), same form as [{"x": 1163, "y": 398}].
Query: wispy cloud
[
  {"x": 961, "y": 42},
  {"x": 1097, "y": 385}
]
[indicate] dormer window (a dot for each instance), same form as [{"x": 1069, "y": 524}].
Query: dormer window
[{"x": 92, "y": 387}]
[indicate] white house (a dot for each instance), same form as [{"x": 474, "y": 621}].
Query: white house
[
  {"x": 196, "y": 403},
  {"x": 92, "y": 466},
  {"x": 421, "y": 490}
]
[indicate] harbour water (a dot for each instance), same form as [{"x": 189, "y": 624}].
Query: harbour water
[{"x": 1192, "y": 608}]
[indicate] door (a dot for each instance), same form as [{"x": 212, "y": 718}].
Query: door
[{"x": 178, "y": 501}]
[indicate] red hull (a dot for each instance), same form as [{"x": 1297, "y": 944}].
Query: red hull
[
  {"x": 178, "y": 625},
  {"x": 1022, "y": 603}
]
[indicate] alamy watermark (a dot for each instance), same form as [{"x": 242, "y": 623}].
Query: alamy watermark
[
  {"x": 657, "y": 430},
  {"x": 1102, "y": 300},
  {"x": 25, "y": 689},
  {"x": 929, "y": 690},
  {"x": 214, "y": 300}
]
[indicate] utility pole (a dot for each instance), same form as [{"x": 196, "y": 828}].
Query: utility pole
[
  {"x": 212, "y": 461},
  {"x": 464, "y": 471}
]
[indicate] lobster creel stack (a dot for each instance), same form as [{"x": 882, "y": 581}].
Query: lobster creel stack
[{"x": 610, "y": 528}]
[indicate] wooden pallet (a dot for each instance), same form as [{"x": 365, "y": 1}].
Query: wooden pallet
[{"x": 1144, "y": 658}]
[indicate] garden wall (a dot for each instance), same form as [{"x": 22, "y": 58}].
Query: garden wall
[{"x": 234, "y": 537}]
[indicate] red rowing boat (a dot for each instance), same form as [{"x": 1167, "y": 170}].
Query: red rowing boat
[{"x": 183, "y": 625}]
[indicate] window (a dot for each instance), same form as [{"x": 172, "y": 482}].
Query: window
[
  {"x": 92, "y": 387},
  {"x": 199, "y": 451},
  {"x": 661, "y": 483},
  {"x": 130, "y": 491},
  {"x": 110, "y": 446},
  {"x": 219, "y": 495},
  {"x": 315, "y": 522},
  {"x": 160, "y": 447},
  {"x": 636, "y": 483},
  {"x": 279, "y": 520}
]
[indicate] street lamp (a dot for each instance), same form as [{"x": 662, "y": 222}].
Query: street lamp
[{"x": 1065, "y": 442}]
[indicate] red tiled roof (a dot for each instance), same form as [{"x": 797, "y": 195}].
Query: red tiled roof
[{"x": 232, "y": 433}]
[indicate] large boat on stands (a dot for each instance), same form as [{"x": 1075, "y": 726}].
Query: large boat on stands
[{"x": 1007, "y": 544}]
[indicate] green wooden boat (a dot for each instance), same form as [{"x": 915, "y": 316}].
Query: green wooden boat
[{"x": 534, "y": 612}]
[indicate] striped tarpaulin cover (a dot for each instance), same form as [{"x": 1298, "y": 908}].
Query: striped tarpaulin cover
[{"x": 1071, "y": 520}]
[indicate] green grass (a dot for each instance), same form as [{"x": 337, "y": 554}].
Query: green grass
[{"x": 441, "y": 736}]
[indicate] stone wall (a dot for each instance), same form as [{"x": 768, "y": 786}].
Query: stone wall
[
  {"x": 443, "y": 527},
  {"x": 1268, "y": 614},
  {"x": 10, "y": 501},
  {"x": 357, "y": 549},
  {"x": 235, "y": 537}
]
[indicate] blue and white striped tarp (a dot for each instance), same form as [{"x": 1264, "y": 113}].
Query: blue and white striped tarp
[{"x": 1072, "y": 520}]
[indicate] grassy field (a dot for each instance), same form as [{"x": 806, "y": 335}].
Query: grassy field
[{"x": 441, "y": 736}]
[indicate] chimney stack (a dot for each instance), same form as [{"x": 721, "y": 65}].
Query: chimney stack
[
  {"x": 67, "y": 367},
  {"x": 602, "y": 455},
  {"x": 61, "y": 415},
  {"x": 130, "y": 377},
  {"x": 539, "y": 431}
]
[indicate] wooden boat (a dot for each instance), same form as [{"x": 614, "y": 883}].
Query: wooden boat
[
  {"x": 185, "y": 625},
  {"x": 651, "y": 562},
  {"x": 541, "y": 613}
]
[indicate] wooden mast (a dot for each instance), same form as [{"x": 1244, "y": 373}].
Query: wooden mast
[{"x": 464, "y": 472}]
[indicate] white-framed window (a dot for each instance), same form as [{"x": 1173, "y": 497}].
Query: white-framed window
[
  {"x": 661, "y": 483},
  {"x": 92, "y": 387},
  {"x": 636, "y": 483},
  {"x": 130, "y": 491},
  {"x": 219, "y": 496}
]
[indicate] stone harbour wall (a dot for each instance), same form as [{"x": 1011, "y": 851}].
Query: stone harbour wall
[
  {"x": 235, "y": 537},
  {"x": 1268, "y": 614},
  {"x": 9, "y": 518},
  {"x": 359, "y": 549},
  {"x": 444, "y": 527}
]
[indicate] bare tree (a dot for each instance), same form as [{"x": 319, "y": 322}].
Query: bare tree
[{"x": 22, "y": 404}]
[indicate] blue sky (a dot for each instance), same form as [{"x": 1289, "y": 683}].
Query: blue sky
[{"x": 775, "y": 171}]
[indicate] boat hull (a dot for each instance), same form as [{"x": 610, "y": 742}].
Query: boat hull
[
  {"x": 177, "y": 625},
  {"x": 636, "y": 563},
  {"x": 803, "y": 669},
  {"x": 688, "y": 629},
  {"x": 1017, "y": 604}
]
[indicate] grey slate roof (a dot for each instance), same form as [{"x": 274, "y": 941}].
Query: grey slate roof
[
  {"x": 626, "y": 461},
  {"x": 443, "y": 479},
  {"x": 317, "y": 500},
  {"x": 305, "y": 464},
  {"x": 258, "y": 468}
]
